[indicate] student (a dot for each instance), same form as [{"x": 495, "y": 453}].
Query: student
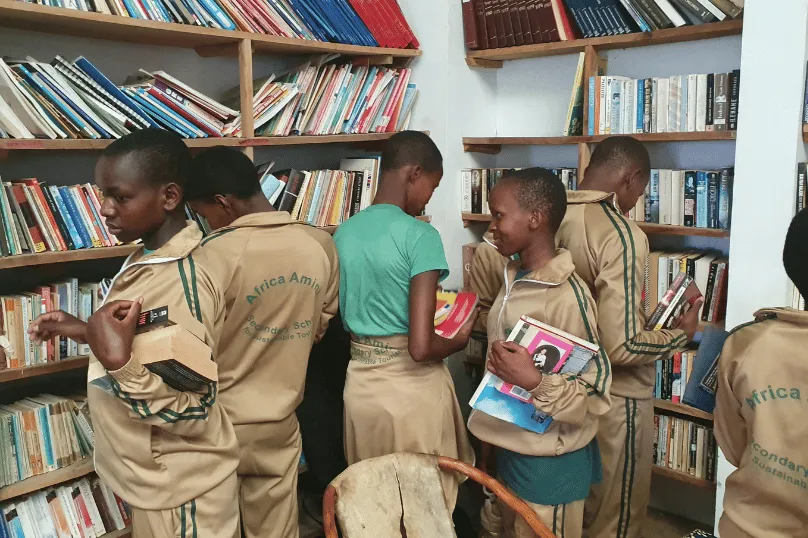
[
  {"x": 552, "y": 471},
  {"x": 610, "y": 254},
  {"x": 280, "y": 279},
  {"x": 171, "y": 455},
  {"x": 760, "y": 410},
  {"x": 399, "y": 395}
]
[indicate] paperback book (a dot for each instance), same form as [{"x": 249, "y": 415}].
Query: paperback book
[
  {"x": 452, "y": 311},
  {"x": 682, "y": 292}
]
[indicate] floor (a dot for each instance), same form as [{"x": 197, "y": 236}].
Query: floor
[{"x": 661, "y": 525}]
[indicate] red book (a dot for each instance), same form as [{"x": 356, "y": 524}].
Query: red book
[
  {"x": 371, "y": 22},
  {"x": 30, "y": 221},
  {"x": 565, "y": 29},
  {"x": 85, "y": 522},
  {"x": 461, "y": 311},
  {"x": 47, "y": 303},
  {"x": 676, "y": 393},
  {"x": 37, "y": 189},
  {"x": 403, "y": 25}
]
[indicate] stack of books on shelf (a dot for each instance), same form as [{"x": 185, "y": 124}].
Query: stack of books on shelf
[
  {"x": 324, "y": 197},
  {"x": 677, "y": 104},
  {"x": 83, "y": 508},
  {"x": 508, "y": 23},
  {"x": 672, "y": 376},
  {"x": 708, "y": 271},
  {"x": 478, "y": 182},
  {"x": 692, "y": 198},
  {"x": 378, "y": 23},
  {"x": 66, "y": 99},
  {"x": 43, "y": 433},
  {"x": 18, "y": 311},
  {"x": 336, "y": 98},
  {"x": 684, "y": 446},
  {"x": 35, "y": 218}
]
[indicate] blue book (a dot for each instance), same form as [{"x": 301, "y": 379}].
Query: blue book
[
  {"x": 725, "y": 198},
  {"x": 95, "y": 215},
  {"x": 79, "y": 110},
  {"x": 653, "y": 205},
  {"x": 160, "y": 114},
  {"x": 592, "y": 119},
  {"x": 45, "y": 431},
  {"x": 71, "y": 226},
  {"x": 359, "y": 27},
  {"x": 133, "y": 11},
  {"x": 166, "y": 112},
  {"x": 218, "y": 15},
  {"x": 701, "y": 388},
  {"x": 640, "y": 104},
  {"x": 73, "y": 211},
  {"x": 90, "y": 70},
  {"x": 312, "y": 19},
  {"x": 658, "y": 384},
  {"x": 162, "y": 12},
  {"x": 701, "y": 199},
  {"x": 712, "y": 199}
]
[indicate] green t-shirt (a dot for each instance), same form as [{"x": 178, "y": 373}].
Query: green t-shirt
[{"x": 380, "y": 250}]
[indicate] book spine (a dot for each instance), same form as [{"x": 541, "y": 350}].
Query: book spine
[
  {"x": 710, "y": 110},
  {"x": 690, "y": 199},
  {"x": 476, "y": 191},
  {"x": 708, "y": 293},
  {"x": 59, "y": 218},
  {"x": 802, "y": 169},
  {"x": 712, "y": 199},
  {"x": 647, "y": 108},
  {"x": 465, "y": 179},
  {"x": 81, "y": 229},
  {"x": 702, "y": 201},
  {"x": 720, "y": 102},
  {"x": 68, "y": 220},
  {"x": 734, "y": 97},
  {"x": 591, "y": 104}
]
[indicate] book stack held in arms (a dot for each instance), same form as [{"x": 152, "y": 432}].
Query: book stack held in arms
[
  {"x": 18, "y": 311},
  {"x": 378, "y": 23},
  {"x": 43, "y": 433},
  {"x": 478, "y": 182},
  {"x": 676, "y": 104},
  {"x": 692, "y": 198},
  {"x": 36, "y": 217},
  {"x": 684, "y": 446},
  {"x": 330, "y": 95},
  {"x": 323, "y": 197},
  {"x": 554, "y": 351},
  {"x": 708, "y": 271},
  {"x": 452, "y": 311},
  {"x": 64, "y": 99},
  {"x": 509, "y": 23}
]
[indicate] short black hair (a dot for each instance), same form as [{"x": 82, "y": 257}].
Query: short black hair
[
  {"x": 795, "y": 252},
  {"x": 222, "y": 170},
  {"x": 540, "y": 190},
  {"x": 162, "y": 155},
  {"x": 411, "y": 148},
  {"x": 618, "y": 151}
]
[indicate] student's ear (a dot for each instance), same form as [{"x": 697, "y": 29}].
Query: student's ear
[
  {"x": 223, "y": 202},
  {"x": 173, "y": 196},
  {"x": 536, "y": 220},
  {"x": 414, "y": 173}
]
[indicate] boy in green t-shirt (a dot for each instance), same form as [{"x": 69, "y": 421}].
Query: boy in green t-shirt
[{"x": 399, "y": 395}]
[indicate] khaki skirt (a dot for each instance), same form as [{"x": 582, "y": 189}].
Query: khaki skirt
[{"x": 394, "y": 404}]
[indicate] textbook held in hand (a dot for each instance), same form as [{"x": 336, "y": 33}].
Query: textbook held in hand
[
  {"x": 554, "y": 352},
  {"x": 683, "y": 291},
  {"x": 452, "y": 311}
]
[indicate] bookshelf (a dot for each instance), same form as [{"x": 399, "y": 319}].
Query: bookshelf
[
  {"x": 682, "y": 409},
  {"x": 35, "y": 483},
  {"x": 493, "y": 58},
  {"x": 48, "y": 258},
  {"x": 682, "y": 477},
  {"x": 493, "y": 145},
  {"x": 71, "y": 363}
]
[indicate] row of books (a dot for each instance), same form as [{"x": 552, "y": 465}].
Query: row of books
[
  {"x": 684, "y": 446},
  {"x": 324, "y": 197},
  {"x": 84, "y": 508},
  {"x": 478, "y": 182},
  {"x": 329, "y": 97},
  {"x": 692, "y": 198},
  {"x": 35, "y": 218},
  {"x": 43, "y": 433},
  {"x": 64, "y": 99},
  {"x": 676, "y": 104},
  {"x": 378, "y": 23},
  {"x": 19, "y": 310},
  {"x": 672, "y": 376},
  {"x": 491, "y": 24},
  {"x": 707, "y": 269}
]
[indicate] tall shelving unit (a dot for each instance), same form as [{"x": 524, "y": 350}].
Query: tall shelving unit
[
  {"x": 19, "y": 273},
  {"x": 666, "y": 234}
]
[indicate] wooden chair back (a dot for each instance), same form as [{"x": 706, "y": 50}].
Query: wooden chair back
[{"x": 400, "y": 495}]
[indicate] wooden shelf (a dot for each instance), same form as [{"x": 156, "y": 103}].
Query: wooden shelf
[
  {"x": 666, "y": 229},
  {"x": 35, "y": 483},
  {"x": 493, "y": 58},
  {"x": 682, "y": 409},
  {"x": 88, "y": 145},
  {"x": 493, "y": 145},
  {"x": 123, "y": 533},
  {"x": 72, "y": 363},
  {"x": 207, "y": 41},
  {"x": 682, "y": 477},
  {"x": 474, "y": 218},
  {"x": 46, "y": 258}
]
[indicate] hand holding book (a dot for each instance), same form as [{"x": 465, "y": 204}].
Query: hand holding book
[
  {"x": 111, "y": 331},
  {"x": 513, "y": 364},
  {"x": 689, "y": 321}
]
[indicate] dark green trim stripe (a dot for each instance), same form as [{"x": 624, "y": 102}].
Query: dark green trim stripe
[
  {"x": 214, "y": 235},
  {"x": 563, "y": 519},
  {"x": 601, "y": 360},
  {"x": 630, "y": 235},
  {"x": 140, "y": 407},
  {"x": 183, "y": 523},
  {"x": 194, "y": 289},
  {"x": 629, "y": 299},
  {"x": 633, "y": 462},
  {"x": 555, "y": 519},
  {"x": 184, "y": 279},
  {"x": 193, "y": 518},
  {"x": 626, "y": 457},
  {"x": 753, "y": 322}
]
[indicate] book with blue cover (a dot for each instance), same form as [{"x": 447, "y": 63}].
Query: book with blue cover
[
  {"x": 554, "y": 352},
  {"x": 701, "y": 388}
]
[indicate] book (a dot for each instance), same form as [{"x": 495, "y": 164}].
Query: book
[
  {"x": 684, "y": 446},
  {"x": 701, "y": 387},
  {"x": 554, "y": 352},
  {"x": 477, "y": 183},
  {"x": 682, "y": 291},
  {"x": 575, "y": 111},
  {"x": 452, "y": 311}
]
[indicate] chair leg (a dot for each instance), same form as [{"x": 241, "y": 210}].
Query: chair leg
[{"x": 329, "y": 512}]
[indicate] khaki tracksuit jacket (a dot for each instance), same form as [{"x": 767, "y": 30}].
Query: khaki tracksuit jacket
[
  {"x": 610, "y": 254},
  {"x": 281, "y": 282},
  {"x": 159, "y": 448},
  {"x": 760, "y": 426},
  {"x": 556, "y": 296},
  {"x": 487, "y": 277}
]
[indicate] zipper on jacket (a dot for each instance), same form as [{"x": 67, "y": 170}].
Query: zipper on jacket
[{"x": 509, "y": 289}]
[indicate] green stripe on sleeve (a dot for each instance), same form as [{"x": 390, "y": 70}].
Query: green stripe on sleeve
[
  {"x": 628, "y": 296},
  {"x": 601, "y": 360},
  {"x": 184, "y": 279},
  {"x": 193, "y": 519},
  {"x": 194, "y": 289}
]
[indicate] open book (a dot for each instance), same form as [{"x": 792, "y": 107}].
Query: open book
[
  {"x": 452, "y": 310},
  {"x": 554, "y": 352}
]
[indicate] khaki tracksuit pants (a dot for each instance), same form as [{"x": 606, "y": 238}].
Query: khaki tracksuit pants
[
  {"x": 213, "y": 515},
  {"x": 565, "y": 520},
  {"x": 267, "y": 475},
  {"x": 616, "y": 507}
]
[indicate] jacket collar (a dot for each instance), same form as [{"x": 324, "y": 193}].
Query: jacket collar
[
  {"x": 799, "y": 317},
  {"x": 554, "y": 273},
  {"x": 592, "y": 197},
  {"x": 265, "y": 218},
  {"x": 179, "y": 246}
]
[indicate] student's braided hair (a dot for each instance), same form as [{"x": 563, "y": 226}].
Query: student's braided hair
[
  {"x": 540, "y": 190},
  {"x": 162, "y": 155},
  {"x": 795, "y": 252}
]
